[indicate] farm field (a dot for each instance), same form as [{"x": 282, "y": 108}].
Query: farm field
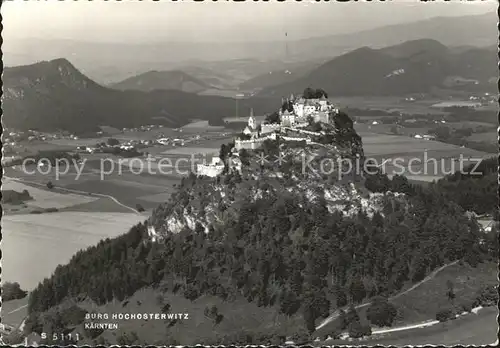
[
  {"x": 44, "y": 198},
  {"x": 71, "y": 144},
  {"x": 31, "y": 148},
  {"x": 378, "y": 144},
  {"x": 122, "y": 190},
  {"x": 110, "y": 130},
  {"x": 100, "y": 205},
  {"x": 33, "y": 245},
  {"x": 388, "y": 103},
  {"x": 396, "y": 152},
  {"x": 229, "y": 93},
  {"x": 201, "y": 125},
  {"x": 472, "y": 329},
  {"x": 14, "y": 311},
  {"x": 127, "y": 187},
  {"x": 194, "y": 150},
  {"x": 491, "y": 136},
  {"x": 244, "y": 118},
  {"x": 411, "y": 131}
]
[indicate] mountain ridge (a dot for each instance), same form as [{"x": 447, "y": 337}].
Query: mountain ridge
[
  {"x": 451, "y": 31},
  {"x": 55, "y": 95},
  {"x": 415, "y": 66},
  {"x": 165, "y": 79}
]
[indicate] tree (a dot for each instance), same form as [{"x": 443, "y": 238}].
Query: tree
[
  {"x": 399, "y": 183},
  {"x": 113, "y": 142},
  {"x": 223, "y": 152},
  {"x": 445, "y": 314},
  {"x": 301, "y": 336},
  {"x": 441, "y": 132},
  {"x": 244, "y": 157},
  {"x": 127, "y": 339},
  {"x": 316, "y": 127},
  {"x": 450, "y": 293},
  {"x": 357, "y": 330},
  {"x": 309, "y": 93},
  {"x": 273, "y": 118},
  {"x": 351, "y": 316},
  {"x": 198, "y": 228},
  {"x": 487, "y": 296},
  {"x": 357, "y": 290},
  {"x": 139, "y": 208},
  {"x": 381, "y": 312},
  {"x": 12, "y": 291}
]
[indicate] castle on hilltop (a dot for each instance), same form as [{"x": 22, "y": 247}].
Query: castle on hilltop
[{"x": 295, "y": 114}]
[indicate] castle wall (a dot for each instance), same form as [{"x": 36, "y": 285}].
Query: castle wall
[
  {"x": 252, "y": 144},
  {"x": 269, "y": 128},
  {"x": 307, "y": 140},
  {"x": 209, "y": 170},
  {"x": 301, "y": 124}
]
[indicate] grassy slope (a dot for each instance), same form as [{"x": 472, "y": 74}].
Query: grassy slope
[
  {"x": 198, "y": 329},
  {"x": 426, "y": 300},
  {"x": 423, "y": 302},
  {"x": 14, "y": 311},
  {"x": 473, "y": 329},
  {"x": 414, "y": 306}
]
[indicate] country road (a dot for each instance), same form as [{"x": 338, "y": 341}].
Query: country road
[{"x": 335, "y": 314}]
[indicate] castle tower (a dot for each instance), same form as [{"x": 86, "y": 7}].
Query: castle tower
[
  {"x": 251, "y": 112},
  {"x": 252, "y": 124}
]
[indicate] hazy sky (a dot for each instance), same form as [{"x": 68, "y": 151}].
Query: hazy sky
[{"x": 139, "y": 21}]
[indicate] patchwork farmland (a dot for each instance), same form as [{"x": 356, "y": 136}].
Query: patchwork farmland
[{"x": 399, "y": 153}]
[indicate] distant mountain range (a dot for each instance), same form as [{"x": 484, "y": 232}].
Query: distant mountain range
[
  {"x": 417, "y": 66},
  {"x": 55, "y": 95},
  {"x": 113, "y": 62},
  {"x": 282, "y": 75},
  {"x": 219, "y": 76},
  {"x": 174, "y": 79}
]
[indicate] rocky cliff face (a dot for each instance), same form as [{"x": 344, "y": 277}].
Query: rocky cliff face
[{"x": 314, "y": 175}]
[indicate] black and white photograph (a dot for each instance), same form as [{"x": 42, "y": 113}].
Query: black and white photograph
[{"x": 274, "y": 173}]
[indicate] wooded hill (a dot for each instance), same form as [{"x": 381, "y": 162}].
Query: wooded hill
[{"x": 280, "y": 249}]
